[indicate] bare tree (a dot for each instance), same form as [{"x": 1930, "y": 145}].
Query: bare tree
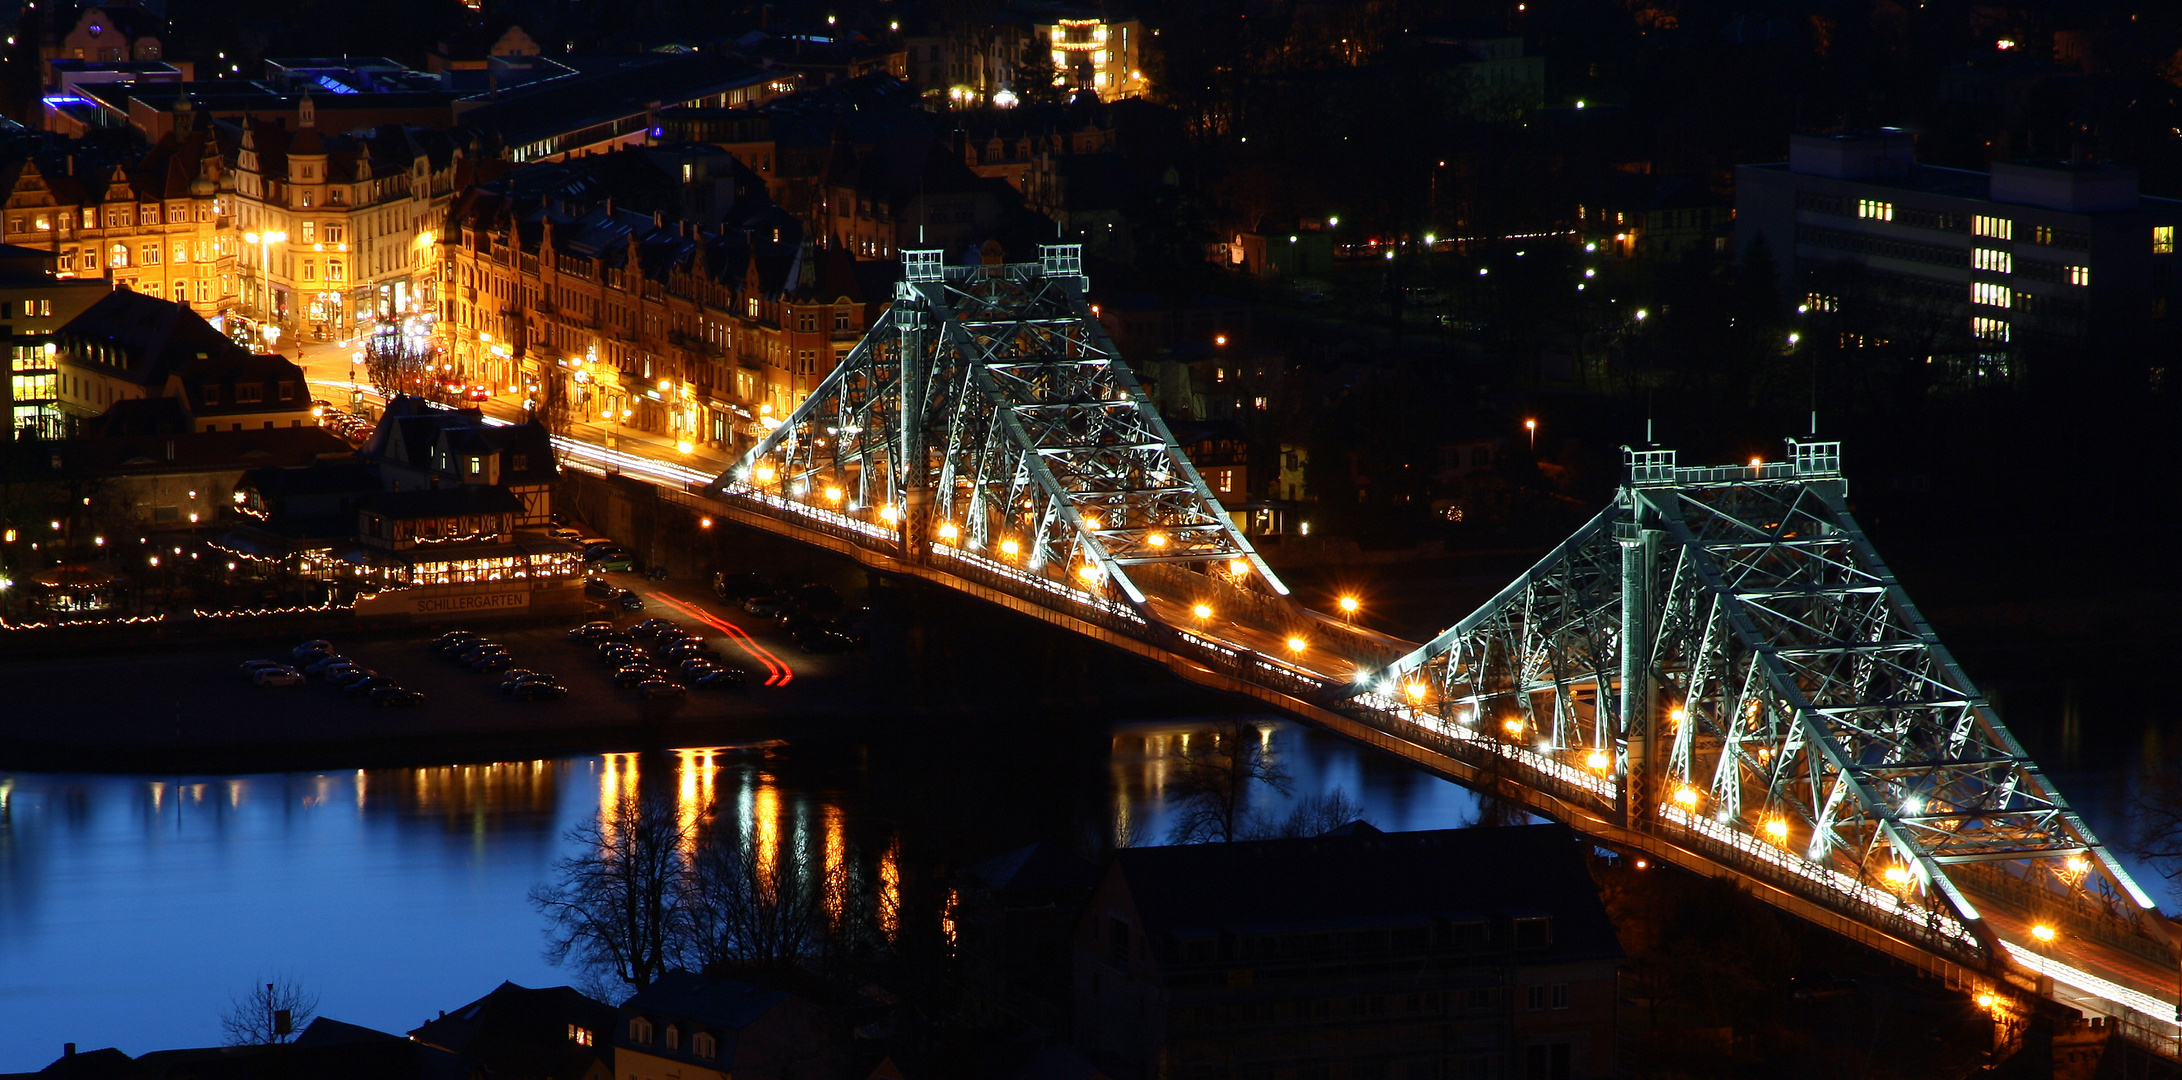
[
  {"x": 396, "y": 364},
  {"x": 616, "y": 907},
  {"x": 1318, "y": 815},
  {"x": 271, "y": 1013},
  {"x": 1213, "y": 783},
  {"x": 552, "y": 406},
  {"x": 746, "y": 908}
]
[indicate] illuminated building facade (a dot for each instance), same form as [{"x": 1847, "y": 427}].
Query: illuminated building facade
[
  {"x": 1093, "y": 51},
  {"x": 157, "y": 226},
  {"x": 333, "y": 232},
  {"x": 35, "y": 302},
  {"x": 2046, "y": 255},
  {"x": 703, "y": 322}
]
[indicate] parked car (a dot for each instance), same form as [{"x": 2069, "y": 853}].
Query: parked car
[
  {"x": 538, "y": 691},
  {"x": 660, "y": 688},
  {"x": 334, "y": 672},
  {"x": 250, "y": 668},
  {"x": 619, "y": 652},
  {"x": 766, "y": 605},
  {"x": 319, "y": 666},
  {"x": 478, "y": 649},
  {"x": 496, "y": 661},
  {"x": 616, "y": 560},
  {"x": 739, "y": 585},
  {"x": 515, "y": 675},
  {"x": 396, "y": 697},
  {"x": 630, "y": 601},
  {"x": 598, "y": 588},
  {"x": 277, "y": 676},
  {"x": 319, "y": 645},
  {"x": 652, "y": 627},
  {"x": 455, "y": 643},
  {"x": 565, "y": 535},
  {"x": 726, "y": 678},
  {"x": 363, "y": 687},
  {"x": 636, "y": 673},
  {"x": 590, "y": 631},
  {"x": 351, "y": 677},
  {"x": 683, "y": 650}
]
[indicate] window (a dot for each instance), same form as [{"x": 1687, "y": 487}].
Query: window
[
  {"x": 181, "y": 252},
  {"x": 151, "y": 289},
  {"x": 1117, "y": 942},
  {"x": 477, "y": 465},
  {"x": 2041, "y": 234},
  {"x": 151, "y": 215},
  {"x": 335, "y": 271},
  {"x": 1533, "y": 932},
  {"x": 1875, "y": 209},
  {"x": 841, "y": 319},
  {"x": 334, "y": 234},
  {"x": 117, "y": 256},
  {"x": 90, "y": 218},
  {"x": 249, "y": 393},
  {"x": 287, "y": 390},
  {"x": 702, "y": 1045},
  {"x": 674, "y": 1037},
  {"x": 2162, "y": 239},
  {"x": 1998, "y": 262},
  {"x": 806, "y": 321},
  {"x": 90, "y": 260},
  {"x": 1821, "y": 302},
  {"x": 310, "y": 270},
  {"x": 806, "y": 361},
  {"x": 1985, "y": 292},
  {"x": 2079, "y": 275},
  {"x": 1547, "y": 1061},
  {"x": 519, "y": 462},
  {"x": 1997, "y": 228},
  {"x": 150, "y": 255},
  {"x": 306, "y": 198},
  {"x": 310, "y": 232},
  {"x": 1989, "y": 329},
  {"x": 579, "y": 1035},
  {"x": 640, "y": 1031},
  {"x": 209, "y": 393}
]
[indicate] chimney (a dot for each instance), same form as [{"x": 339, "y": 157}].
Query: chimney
[{"x": 68, "y": 1049}]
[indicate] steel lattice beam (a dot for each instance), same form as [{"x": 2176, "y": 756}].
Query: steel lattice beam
[
  {"x": 987, "y": 414},
  {"x": 1722, "y": 652}
]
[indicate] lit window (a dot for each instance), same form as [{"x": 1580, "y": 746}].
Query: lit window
[
  {"x": 581, "y": 1036},
  {"x": 1989, "y": 329},
  {"x": 1999, "y": 262},
  {"x": 1985, "y": 292},
  {"x": 2041, "y": 234},
  {"x": 2079, "y": 275},
  {"x": 1997, "y": 228},
  {"x": 2162, "y": 239},
  {"x": 1875, "y": 209}
]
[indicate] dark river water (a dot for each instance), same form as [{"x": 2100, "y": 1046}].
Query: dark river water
[{"x": 133, "y": 908}]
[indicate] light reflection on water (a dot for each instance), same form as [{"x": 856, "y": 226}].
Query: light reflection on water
[{"x": 132, "y": 907}]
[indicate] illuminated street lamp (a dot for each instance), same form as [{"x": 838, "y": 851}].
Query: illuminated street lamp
[
  {"x": 1532, "y": 427},
  {"x": 1348, "y": 605}
]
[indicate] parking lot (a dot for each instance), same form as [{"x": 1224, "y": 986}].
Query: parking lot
[{"x": 192, "y": 704}]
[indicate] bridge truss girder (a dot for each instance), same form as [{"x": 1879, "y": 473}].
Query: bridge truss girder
[
  {"x": 1722, "y": 651},
  {"x": 987, "y": 416}
]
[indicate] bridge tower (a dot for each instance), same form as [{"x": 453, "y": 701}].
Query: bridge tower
[
  {"x": 986, "y": 423},
  {"x": 1720, "y": 661}
]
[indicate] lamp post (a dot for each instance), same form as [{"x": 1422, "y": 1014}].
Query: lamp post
[{"x": 264, "y": 243}]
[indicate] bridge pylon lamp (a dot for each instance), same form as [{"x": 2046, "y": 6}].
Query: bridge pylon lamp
[
  {"x": 1202, "y": 611},
  {"x": 1297, "y": 644},
  {"x": 948, "y": 532},
  {"x": 833, "y": 494},
  {"x": 1348, "y": 605}
]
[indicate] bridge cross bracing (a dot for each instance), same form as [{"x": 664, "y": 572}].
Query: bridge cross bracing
[{"x": 1717, "y": 668}]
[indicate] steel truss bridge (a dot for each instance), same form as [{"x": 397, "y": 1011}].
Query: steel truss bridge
[{"x": 1717, "y": 671}]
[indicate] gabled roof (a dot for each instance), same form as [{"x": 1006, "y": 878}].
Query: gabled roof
[
  {"x": 519, "y": 1032},
  {"x": 143, "y": 338},
  {"x": 721, "y": 1004}
]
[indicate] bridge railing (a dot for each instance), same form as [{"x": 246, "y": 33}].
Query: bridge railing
[{"x": 1859, "y": 903}]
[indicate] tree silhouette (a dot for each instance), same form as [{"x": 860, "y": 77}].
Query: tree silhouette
[
  {"x": 616, "y": 907},
  {"x": 269, "y": 1013},
  {"x": 1212, "y": 787}
]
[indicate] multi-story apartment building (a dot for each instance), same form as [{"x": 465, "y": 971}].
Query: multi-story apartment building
[
  {"x": 2063, "y": 259},
  {"x": 35, "y": 302},
  {"x": 335, "y": 231},
  {"x": 676, "y": 299},
  {"x": 155, "y": 226},
  {"x": 986, "y": 61}
]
